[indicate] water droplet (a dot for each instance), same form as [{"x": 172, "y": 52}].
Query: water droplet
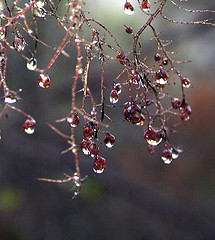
[
  {"x": 167, "y": 156},
  {"x": 145, "y": 5},
  {"x": 153, "y": 137},
  {"x": 109, "y": 140},
  {"x": 99, "y": 165},
  {"x": 29, "y": 125},
  {"x": 11, "y": 97},
  {"x": 114, "y": 97},
  {"x": 128, "y": 8},
  {"x": 88, "y": 131},
  {"x": 117, "y": 87},
  {"x": 94, "y": 150},
  {"x": 185, "y": 82},
  {"x": 19, "y": 43},
  {"x": 32, "y": 64},
  {"x": 39, "y": 4},
  {"x": 73, "y": 120},
  {"x": 85, "y": 147},
  {"x": 93, "y": 112},
  {"x": 44, "y": 81}
]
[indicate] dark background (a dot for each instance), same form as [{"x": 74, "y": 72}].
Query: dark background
[{"x": 138, "y": 196}]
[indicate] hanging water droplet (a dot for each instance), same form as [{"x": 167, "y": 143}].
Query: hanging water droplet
[
  {"x": 85, "y": 147},
  {"x": 11, "y": 97},
  {"x": 153, "y": 137},
  {"x": 109, "y": 140},
  {"x": 19, "y": 43},
  {"x": 117, "y": 87},
  {"x": 167, "y": 156},
  {"x": 93, "y": 112},
  {"x": 185, "y": 82},
  {"x": 145, "y": 6},
  {"x": 29, "y": 125},
  {"x": 31, "y": 64},
  {"x": 128, "y": 8},
  {"x": 73, "y": 120},
  {"x": 99, "y": 165},
  {"x": 114, "y": 97},
  {"x": 44, "y": 80}
]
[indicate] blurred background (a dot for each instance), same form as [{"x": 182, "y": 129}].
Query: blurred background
[{"x": 138, "y": 196}]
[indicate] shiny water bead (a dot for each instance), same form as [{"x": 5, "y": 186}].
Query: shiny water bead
[
  {"x": 185, "y": 82},
  {"x": 2, "y": 35},
  {"x": 109, "y": 140},
  {"x": 150, "y": 149},
  {"x": 88, "y": 131},
  {"x": 157, "y": 57},
  {"x": 176, "y": 103},
  {"x": 93, "y": 112},
  {"x": 133, "y": 114},
  {"x": 44, "y": 80},
  {"x": 129, "y": 30},
  {"x": 99, "y": 165},
  {"x": 167, "y": 156},
  {"x": 128, "y": 8},
  {"x": 165, "y": 61},
  {"x": 117, "y": 87},
  {"x": 121, "y": 58},
  {"x": 85, "y": 145},
  {"x": 185, "y": 112},
  {"x": 39, "y": 10},
  {"x": 73, "y": 120},
  {"x": 141, "y": 120},
  {"x": 175, "y": 154},
  {"x": 31, "y": 64},
  {"x": 29, "y": 125},
  {"x": 11, "y": 97},
  {"x": 161, "y": 76},
  {"x": 94, "y": 150},
  {"x": 145, "y": 5},
  {"x": 114, "y": 97},
  {"x": 19, "y": 43},
  {"x": 135, "y": 79},
  {"x": 153, "y": 137}
]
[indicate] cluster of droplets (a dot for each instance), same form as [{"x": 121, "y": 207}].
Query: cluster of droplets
[
  {"x": 183, "y": 107},
  {"x": 129, "y": 8},
  {"x": 90, "y": 147},
  {"x": 39, "y": 9},
  {"x": 133, "y": 113},
  {"x": 116, "y": 90}
]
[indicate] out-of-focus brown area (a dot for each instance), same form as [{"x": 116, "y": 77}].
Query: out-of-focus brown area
[{"x": 138, "y": 196}]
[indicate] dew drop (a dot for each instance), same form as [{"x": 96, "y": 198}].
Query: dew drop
[
  {"x": 128, "y": 8},
  {"x": 29, "y": 125},
  {"x": 73, "y": 120},
  {"x": 117, "y": 87},
  {"x": 99, "y": 165},
  {"x": 32, "y": 64},
  {"x": 85, "y": 147},
  {"x": 167, "y": 156},
  {"x": 145, "y": 5},
  {"x": 109, "y": 140},
  {"x": 153, "y": 137},
  {"x": 185, "y": 82},
  {"x": 93, "y": 112},
  {"x": 11, "y": 97},
  {"x": 19, "y": 43},
  {"x": 114, "y": 97},
  {"x": 44, "y": 81}
]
